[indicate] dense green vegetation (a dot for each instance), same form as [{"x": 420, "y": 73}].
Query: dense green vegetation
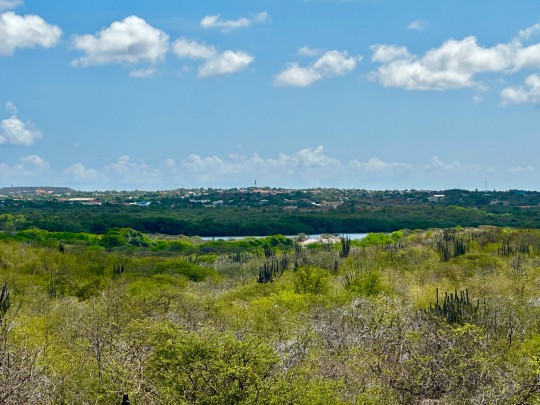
[
  {"x": 234, "y": 221},
  {"x": 265, "y": 211},
  {"x": 449, "y": 315}
]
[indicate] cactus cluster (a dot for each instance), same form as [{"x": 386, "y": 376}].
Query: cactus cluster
[
  {"x": 272, "y": 269},
  {"x": 238, "y": 257},
  {"x": 450, "y": 245},
  {"x": 517, "y": 265},
  {"x": 329, "y": 261},
  {"x": 393, "y": 249},
  {"x": 486, "y": 236},
  {"x": 506, "y": 249},
  {"x": 455, "y": 308},
  {"x": 523, "y": 242},
  {"x": 118, "y": 270},
  {"x": 345, "y": 246}
]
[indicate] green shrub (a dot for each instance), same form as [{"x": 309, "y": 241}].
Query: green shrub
[
  {"x": 182, "y": 267},
  {"x": 210, "y": 367},
  {"x": 116, "y": 237},
  {"x": 363, "y": 282},
  {"x": 378, "y": 239},
  {"x": 311, "y": 280}
]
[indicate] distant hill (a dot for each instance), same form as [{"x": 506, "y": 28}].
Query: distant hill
[{"x": 36, "y": 190}]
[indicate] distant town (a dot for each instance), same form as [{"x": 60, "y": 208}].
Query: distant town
[{"x": 316, "y": 199}]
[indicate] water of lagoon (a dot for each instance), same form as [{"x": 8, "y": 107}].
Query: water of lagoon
[{"x": 352, "y": 236}]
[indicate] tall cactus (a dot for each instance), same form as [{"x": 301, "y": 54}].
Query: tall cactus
[
  {"x": 268, "y": 251},
  {"x": 345, "y": 246},
  {"x": 4, "y": 302},
  {"x": 272, "y": 269},
  {"x": 118, "y": 270},
  {"x": 51, "y": 287},
  {"x": 300, "y": 257},
  {"x": 506, "y": 249}
]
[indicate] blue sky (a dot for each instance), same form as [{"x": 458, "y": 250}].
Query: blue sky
[{"x": 374, "y": 94}]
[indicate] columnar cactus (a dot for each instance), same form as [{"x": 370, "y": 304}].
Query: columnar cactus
[{"x": 4, "y": 302}]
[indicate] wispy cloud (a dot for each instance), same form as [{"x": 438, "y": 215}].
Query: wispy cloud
[
  {"x": 418, "y": 25},
  {"x": 215, "y": 21},
  {"x": 378, "y": 165},
  {"x": 519, "y": 170},
  {"x": 143, "y": 73},
  {"x": 25, "y": 167},
  {"x": 10, "y": 4},
  {"x": 306, "y": 167},
  {"x": 529, "y": 32},
  {"x": 308, "y": 51}
]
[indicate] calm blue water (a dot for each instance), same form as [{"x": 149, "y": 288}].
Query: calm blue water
[{"x": 352, "y": 236}]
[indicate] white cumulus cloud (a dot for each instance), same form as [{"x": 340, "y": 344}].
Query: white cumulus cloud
[
  {"x": 297, "y": 76},
  {"x": 30, "y": 165},
  {"x": 27, "y": 31},
  {"x": 311, "y": 157},
  {"x": 330, "y": 64},
  {"x": 184, "y": 48},
  {"x": 168, "y": 164},
  {"x": 225, "y": 63},
  {"x": 437, "y": 164},
  {"x": 127, "y": 171},
  {"x": 529, "y": 93},
  {"x": 308, "y": 165},
  {"x": 196, "y": 163},
  {"x": 308, "y": 158},
  {"x": 79, "y": 172},
  {"x": 453, "y": 65},
  {"x": 387, "y": 53},
  {"x": 215, "y": 63},
  {"x": 457, "y": 64},
  {"x": 215, "y": 21},
  {"x": 13, "y": 131},
  {"x": 124, "y": 165},
  {"x": 129, "y": 41}
]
